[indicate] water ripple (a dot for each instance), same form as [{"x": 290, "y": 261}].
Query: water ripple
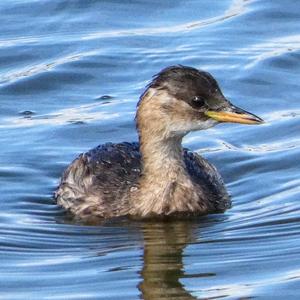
[
  {"x": 236, "y": 8},
  {"x": 71, "y": 73},
  {"x": 75, "y": 115}
]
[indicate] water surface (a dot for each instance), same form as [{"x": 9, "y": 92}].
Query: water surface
[{"x": 71, "y": 73}]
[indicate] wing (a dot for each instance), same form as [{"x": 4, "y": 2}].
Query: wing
[
  {"x": 114, "y": 166},
  {"x": 95, "y": 183},
  {"x": 208, "y": 179}
]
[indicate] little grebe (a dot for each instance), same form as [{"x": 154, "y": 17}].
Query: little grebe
[{"x": 156, "y": 177}]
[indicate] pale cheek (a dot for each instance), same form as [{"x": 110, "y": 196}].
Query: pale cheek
[
  {"x": 206, "y": 124},
  {"x": 182, "y": 128}
]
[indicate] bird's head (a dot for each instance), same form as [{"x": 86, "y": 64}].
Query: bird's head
[{"x": 181, "y": 99}]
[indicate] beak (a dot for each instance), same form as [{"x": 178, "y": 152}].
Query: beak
[{"x": 234, "y": 114}]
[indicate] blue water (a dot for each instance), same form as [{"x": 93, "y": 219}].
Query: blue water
[{"x": 71, "y": 73}]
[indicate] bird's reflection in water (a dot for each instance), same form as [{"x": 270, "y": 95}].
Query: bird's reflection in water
[{"x": 164, "y": 244}]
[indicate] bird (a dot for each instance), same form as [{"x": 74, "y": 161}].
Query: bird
[{"x": 156, "y": 177}]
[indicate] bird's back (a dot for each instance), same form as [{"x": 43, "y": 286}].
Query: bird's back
[{"x": 97, "y": 184}]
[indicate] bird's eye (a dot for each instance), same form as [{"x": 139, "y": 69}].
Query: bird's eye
[{"x": 199, "y": 101}]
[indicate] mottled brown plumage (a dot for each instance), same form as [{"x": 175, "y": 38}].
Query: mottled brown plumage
[{"x": 155, "y": 177}]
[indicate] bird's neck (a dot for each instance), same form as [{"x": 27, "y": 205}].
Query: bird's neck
[
  {"x": 165, "y": 184},
  {"x": 162, "y": 159}
]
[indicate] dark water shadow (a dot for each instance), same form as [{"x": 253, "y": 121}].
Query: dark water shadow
[{"x": 163, "y": 268}]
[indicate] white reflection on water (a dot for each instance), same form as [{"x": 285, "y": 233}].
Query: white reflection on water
[
  {"x": 237, "y": 7},
  {"x": 80, "y": 114},
  {"x": 242, "y": 289},
  {"x": 271, "y": 48},
  {"x": 32, "y": 70}
]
